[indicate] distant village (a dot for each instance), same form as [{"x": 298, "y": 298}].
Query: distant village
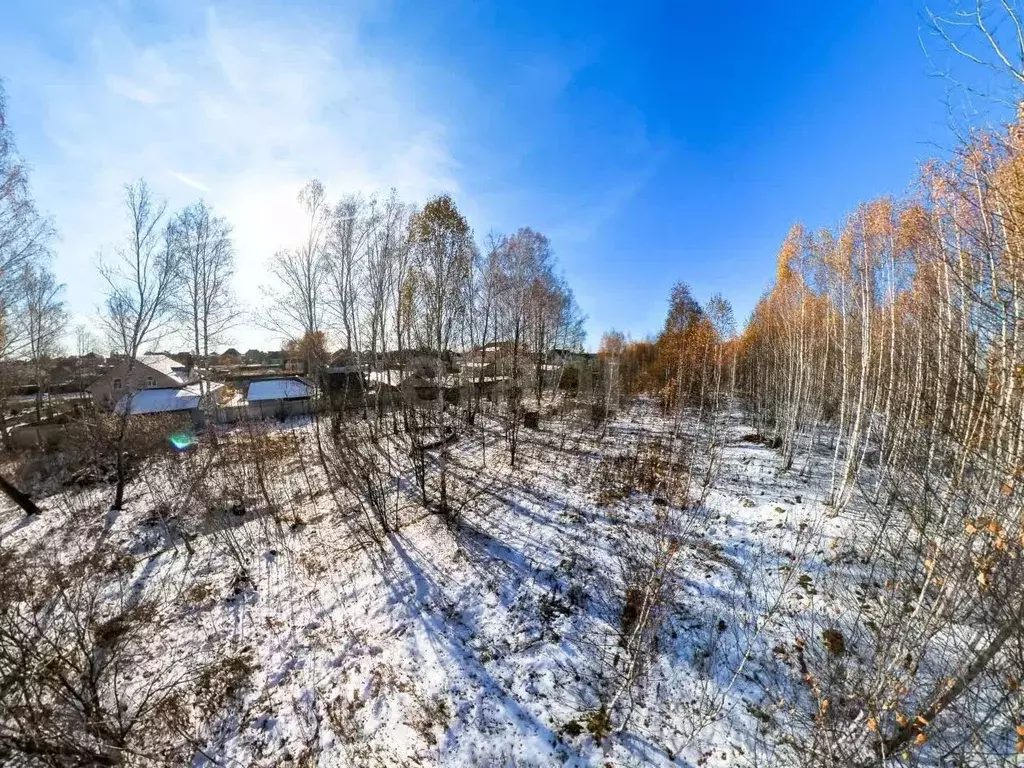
[{"x": 233, "y": 386}]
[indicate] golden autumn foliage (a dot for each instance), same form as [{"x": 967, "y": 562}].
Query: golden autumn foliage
[
  {"x": 888, "y": 354},
  {"x": 677, "y": 364}
]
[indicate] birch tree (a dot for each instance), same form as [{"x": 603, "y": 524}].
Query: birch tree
[
  {"x": 25, "y": 240},
  {"x": 909, "y": 316},
  {"x": 442, "y": 249},
  {"x": 295, "y": 298},
  {"x": 352, "y": 224},
  {"x": 140, "y": 281},
  {"x": 204, "y": 254},
  {"x": 45, "y": 319}
]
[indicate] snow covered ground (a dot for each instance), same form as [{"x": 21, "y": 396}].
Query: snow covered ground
[{"x": 495, "y": 645}]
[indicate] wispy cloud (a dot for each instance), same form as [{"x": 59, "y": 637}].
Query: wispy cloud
[
  {"x": 189, "y": 181},
  {"x": 242, "y": 104},
  {"x": 122, "y": 86},
  {"x": 252, "y": 107}
]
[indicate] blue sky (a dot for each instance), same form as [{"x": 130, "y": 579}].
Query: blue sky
[{"x": 651, "y": 141}]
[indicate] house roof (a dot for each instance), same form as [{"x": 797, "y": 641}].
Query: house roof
[
  {"x": 279, "y": 389},
  {"x": 390, "y": 376},
  {"x": 395, "y": 378},
  {"x": 343, "y": 357},
  {"x": 168, "y": 366},
  {"x": 162, "y": 399}
]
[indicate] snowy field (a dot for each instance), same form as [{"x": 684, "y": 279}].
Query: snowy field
[{"x": 497, "y": 644}]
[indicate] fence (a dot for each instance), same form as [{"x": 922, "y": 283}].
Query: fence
[{"x": 264, "y": 409}]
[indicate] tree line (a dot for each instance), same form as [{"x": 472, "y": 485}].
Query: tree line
[
  {"x": 376, "y": 274},
  {"x": 382, "y": 277},
  {"x": 885, "y": 363},
  {"x": 887, "y": 358}
]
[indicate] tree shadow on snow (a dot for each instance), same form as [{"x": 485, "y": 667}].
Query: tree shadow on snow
[{"x": 458, "y": 661}]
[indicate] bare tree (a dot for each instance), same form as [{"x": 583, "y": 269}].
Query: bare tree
[
  {"x": 85, "y": 342},
  {"x": 479, "y": 328},
  {"x": 140, "y": 283},
  {"x": 385, "y": 266},
  {"x": 524, "y": 258},
  {"x": 140, "y": 278},
  {"x": 442, "y": 253},
  {"x": 386, "y": 254},
  {"x": 296, "y": 297},
  {"x": 403, "y": 284},
  {"x": 988, "y": 33},
  {"x": 351, "y": 224},
  {"x": 25, "y": 235},
  {"x": 45, "y": 319},
  {"x": 204, "y": 254},
  {"x": 555, "y": 320},
  {"x": 25, "y": 238}
]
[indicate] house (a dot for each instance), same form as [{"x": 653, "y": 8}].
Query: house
[
  {"x": 392, "y": 384},
  {"x": 491, "y": 388},
  {"x": 343, "y": 357},
  {"x": 494, "y": 349},
  {"x": 192, "y": 400},
  {"x": 145, "y": 372},
  {"x": 280, "y": 396},
  {"x": 415, "y": 386},
  {"x": 561, "y": 356},
  {"x": 384, "y": 383},
  {"x": 472, "y": 369},
  {"x": 229, "y": 357},
  {"x": 60, "y": 375},
  {"x": 344, "y": 385},
  {"x": 495, "y": 359}
]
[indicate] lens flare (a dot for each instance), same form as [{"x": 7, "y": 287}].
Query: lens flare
[{"x": 182, "y": 440}]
